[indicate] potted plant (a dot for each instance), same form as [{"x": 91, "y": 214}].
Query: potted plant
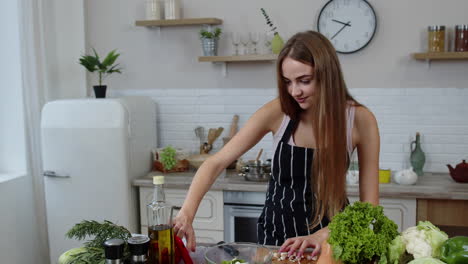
[
  {"x": 277, "y": 42},
  {"x": 210, "y": 41},
  {"x": 93, "y": 64}
]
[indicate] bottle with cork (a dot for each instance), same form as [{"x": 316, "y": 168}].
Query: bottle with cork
[{"x": 160, "y": 230}]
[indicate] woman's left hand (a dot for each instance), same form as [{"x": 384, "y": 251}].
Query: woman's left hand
[{"x": 300, "y": 244}]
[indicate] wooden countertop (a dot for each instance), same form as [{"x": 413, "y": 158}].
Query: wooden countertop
[{"x": 429, "y": 186}]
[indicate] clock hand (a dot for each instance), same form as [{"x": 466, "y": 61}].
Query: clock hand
[{"x": 345, "y": 25}]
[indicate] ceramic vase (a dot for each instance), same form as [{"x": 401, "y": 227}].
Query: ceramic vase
[
  {"x": 417, "y": 157},
  {"x": 277, "y": 44}
]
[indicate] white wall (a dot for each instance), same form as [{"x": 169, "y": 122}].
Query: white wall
[
  {"x": 405, "y": 94},
  {"x": 169, "y": 59},
  {"x": 63, "y": 29},
  {"x": 12, "y": 149},
  {"x": 19, "y": 241},
  {"x": 439, "y": 114}
]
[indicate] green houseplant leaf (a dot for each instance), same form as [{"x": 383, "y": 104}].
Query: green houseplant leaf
[
  {"x": 210, "y": 34},
  {"x": 93, "y": 63}
]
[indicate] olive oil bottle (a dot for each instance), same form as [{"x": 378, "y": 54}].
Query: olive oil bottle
[{"x": 160, "y": 231}]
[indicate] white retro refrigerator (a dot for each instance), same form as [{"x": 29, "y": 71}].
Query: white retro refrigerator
[{"x": 92, "y": 150}]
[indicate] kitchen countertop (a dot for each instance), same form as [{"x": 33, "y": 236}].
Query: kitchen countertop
[{"x": 429, "y": 186}]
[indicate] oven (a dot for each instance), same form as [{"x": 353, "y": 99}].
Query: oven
[{"x": 241, "y": 212}]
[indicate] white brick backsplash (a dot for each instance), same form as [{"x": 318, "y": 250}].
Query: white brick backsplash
[{"x": 439, "y": 114}]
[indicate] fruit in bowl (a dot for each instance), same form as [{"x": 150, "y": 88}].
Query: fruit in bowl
[{"x": 233, "y": 253}]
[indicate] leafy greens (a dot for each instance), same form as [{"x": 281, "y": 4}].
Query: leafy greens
[{"x": 360, "y": 233}]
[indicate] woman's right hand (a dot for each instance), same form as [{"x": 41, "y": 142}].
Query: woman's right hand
[{"x": 183, "y": 228}]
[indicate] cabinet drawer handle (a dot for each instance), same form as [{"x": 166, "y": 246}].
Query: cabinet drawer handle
[{"x": 54, "y": 175}]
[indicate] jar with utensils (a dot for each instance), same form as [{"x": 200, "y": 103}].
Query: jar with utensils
[
  {"x": 461, "y": 38},
  {"x": 436, "y": 38}
]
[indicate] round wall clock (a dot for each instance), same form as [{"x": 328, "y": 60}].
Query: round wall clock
[{"x": 349, "y": 24}]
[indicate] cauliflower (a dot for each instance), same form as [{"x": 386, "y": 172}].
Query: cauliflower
[
  {"x": 421, "y": 241},
  {"x": 416, "y": 243}
]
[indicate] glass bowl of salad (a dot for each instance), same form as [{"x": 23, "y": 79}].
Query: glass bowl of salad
[{"x": 237, "y": 253}]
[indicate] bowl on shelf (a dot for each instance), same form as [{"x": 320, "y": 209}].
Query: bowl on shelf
[
  {"x": 197, "y": 160},
  {"x": 229, "y": 253}
]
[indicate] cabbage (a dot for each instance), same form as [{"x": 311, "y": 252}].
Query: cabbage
[
  {"x": 68, "y": 256},
  {"x": 434, "y": 236},
  {"x": 426, "y": 261},
  {"x": 397, "y": 251}
]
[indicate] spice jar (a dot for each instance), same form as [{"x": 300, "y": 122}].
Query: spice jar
[
  {"x": 436, "y": 38},
  {"x": 461, "y": 38}
]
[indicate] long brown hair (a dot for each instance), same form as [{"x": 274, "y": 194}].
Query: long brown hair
[{"x": 329, "y": 123}]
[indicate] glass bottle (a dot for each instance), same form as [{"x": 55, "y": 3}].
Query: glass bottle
[
  {"x": 160, "y": 231},
  {"x": 436, "y": 38},
  {"x": 461, "y": 38},
  {"x": 138, "y": 247},
  {"x": 114, "y": 251}
]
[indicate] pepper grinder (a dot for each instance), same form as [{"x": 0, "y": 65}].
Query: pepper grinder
[
  {"x": 114, "y": 251},
  {"x": 138, "y": 246}
]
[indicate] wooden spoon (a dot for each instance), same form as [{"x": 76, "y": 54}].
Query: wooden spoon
[
  {"x": 259, "y": 155},
  {"x": 233, "y": 130}
]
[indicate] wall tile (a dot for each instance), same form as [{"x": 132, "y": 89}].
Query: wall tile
[{"x": 439, "y": 114}]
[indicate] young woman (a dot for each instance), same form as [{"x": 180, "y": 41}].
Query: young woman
[{"x": 316, "y": 125}]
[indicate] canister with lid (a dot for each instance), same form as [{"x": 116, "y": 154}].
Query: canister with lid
[
  {"x": 436, "y": 38},
  {"x": 461, "y": 38}
]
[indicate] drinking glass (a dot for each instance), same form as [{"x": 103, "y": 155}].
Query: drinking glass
[
  {"x": 235, "y": 39},
  {"x": 244, "y": 39},
  {"x": 254, "y": 38},
  {"x": 268, "y": 38}
]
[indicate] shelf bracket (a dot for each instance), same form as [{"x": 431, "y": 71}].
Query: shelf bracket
[
  {"x": 223, "y": 68},
  {"x": 158, "y": 29},
  {"x": 428, "y": 62}
]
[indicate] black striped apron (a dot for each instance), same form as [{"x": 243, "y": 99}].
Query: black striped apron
[{"x": 288, "y": 205}]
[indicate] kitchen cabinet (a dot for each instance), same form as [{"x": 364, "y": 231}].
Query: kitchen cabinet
[
  {"x": 449, "y": 215},
  {"x": 208, "y": 223},
  {"x": 401, "y": 211}
]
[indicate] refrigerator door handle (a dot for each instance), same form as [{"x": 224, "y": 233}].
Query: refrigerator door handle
[{"x": 54, "y": 175}]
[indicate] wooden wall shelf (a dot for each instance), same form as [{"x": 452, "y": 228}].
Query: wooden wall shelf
[
  {"x": 441, "y": 56},
  {"x": 239, "y": 58},
  {"x": 179, "y": 22},
  {"x": 223, "y": 60}
]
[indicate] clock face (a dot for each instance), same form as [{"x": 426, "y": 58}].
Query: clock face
[{"x": 348, "y": 24}]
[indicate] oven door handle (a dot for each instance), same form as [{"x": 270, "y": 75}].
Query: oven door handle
[{"x": 246, "y": 208}]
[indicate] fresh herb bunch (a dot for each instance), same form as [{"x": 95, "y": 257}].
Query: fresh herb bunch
[
  {"x": 168, "y": 157},
  {"x": 361, "y": 233},
  {"x": 106, "y": 67},
  {"x": 210, "y": 34},
  {"x": 100, "y": 231},
  {"x": 85, "y": 255},
  {"x": 268, "y": 21},
  {"x": 93, "y": 250}
]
